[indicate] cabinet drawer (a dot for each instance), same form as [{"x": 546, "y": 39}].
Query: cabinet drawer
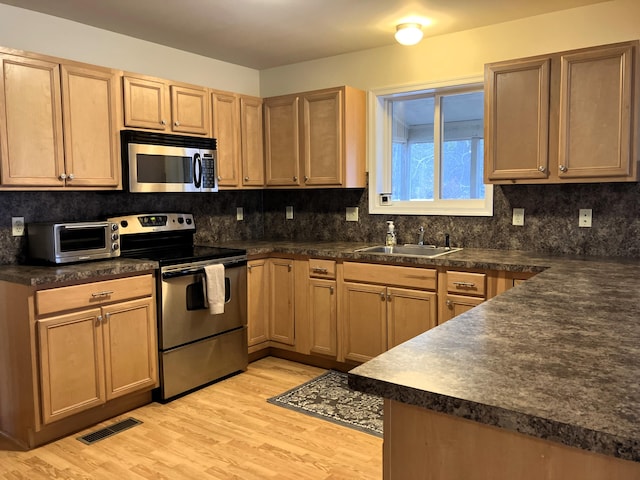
[
  {"x": 422, "y": 278},
  {"x": 467, "y": 283},
  {"x": 322, "y": 268},
  {"x": 92, "y": 294}
]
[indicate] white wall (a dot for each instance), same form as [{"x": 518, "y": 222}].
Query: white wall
[
  {"x": 463, "y": 54},
  {"x": 35, "y": 32}
]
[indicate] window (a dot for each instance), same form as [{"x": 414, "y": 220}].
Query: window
[{"x": 426, "y": 151}]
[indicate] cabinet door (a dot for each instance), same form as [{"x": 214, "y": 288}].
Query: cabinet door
[
  {"x": 251, "y": 142},
  {"x": 258, "y": 302},
  {"x": 31, "y": 139},
  {"x": 92, "y": 157},
  {"x": 409, "y": 313},
  {"x": 281, "y": 301},
  {"x": 323, "y": 316},
  {"x": 595, "y": 113},
  {"x": 282, "y": 145},
  {"x": 130, "y": 347},
  {"x": 145, "y": 104},
  {"x": 457, "y": 304},
  {"x": 189, "y": 110},
  {"x": 517, "y": 119},
  {"x": 226, "y": 125},
  {"x": 71, "y": 364},
  {"x": 364, "y": 322},
  {"x": 323, "y": 138}
]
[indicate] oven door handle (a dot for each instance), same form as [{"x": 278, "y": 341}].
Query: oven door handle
[{"x": 182, "y": 273}]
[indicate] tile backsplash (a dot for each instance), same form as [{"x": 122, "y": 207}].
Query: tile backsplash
[{"x": 551, "y": 217}]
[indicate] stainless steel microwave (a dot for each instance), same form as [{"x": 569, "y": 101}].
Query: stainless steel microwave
[
  {"x": 158, "y": 162},
  {"x": 72, "y": 242}
]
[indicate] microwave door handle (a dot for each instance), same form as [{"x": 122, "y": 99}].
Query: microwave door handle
[
  {"x": 86, "y": 225},
  {"x": 197, "y": 170}
]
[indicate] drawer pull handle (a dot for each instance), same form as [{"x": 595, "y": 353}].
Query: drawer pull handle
[
  {"x": 104, "y": 293},
  {"x": 320, "y": 270},
  {"x": 449, "y": 304},
  {"x": 464, "y": 284}
]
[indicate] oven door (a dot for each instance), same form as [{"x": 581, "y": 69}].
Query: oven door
[{"x": 183, "y": 314}]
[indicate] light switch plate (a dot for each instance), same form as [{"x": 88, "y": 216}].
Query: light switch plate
[
  {"x": 518, "y": 217},
  {"x": 289, "y": 212},
  {"x": 584, "y": 217},
  {"x": 239, "y": 214},
  {"x": 352, "y": 214}
]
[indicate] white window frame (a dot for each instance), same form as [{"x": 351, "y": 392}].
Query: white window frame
[{"x": 379, "y": 133}]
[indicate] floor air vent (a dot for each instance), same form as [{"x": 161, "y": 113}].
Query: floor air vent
[{"x": 93, "y": 437}]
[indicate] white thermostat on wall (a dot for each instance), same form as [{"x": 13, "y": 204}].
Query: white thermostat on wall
[{"x": 385, "y": 199}]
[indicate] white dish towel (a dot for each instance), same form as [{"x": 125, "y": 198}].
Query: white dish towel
[{"x": 214, "y": 287}]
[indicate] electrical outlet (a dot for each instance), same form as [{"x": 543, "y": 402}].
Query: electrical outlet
[
  {"x": 584, "y": 217},
  {"x": 518, "y": 217},
  {"x": 352, "y": 214},
  {"x": 17, "y": 226},
  {"x": 289, "y": 213},
  {"x": 239, "y": 214}
]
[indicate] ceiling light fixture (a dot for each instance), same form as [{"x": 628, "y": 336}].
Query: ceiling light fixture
[{"x": 408, "y": 33}]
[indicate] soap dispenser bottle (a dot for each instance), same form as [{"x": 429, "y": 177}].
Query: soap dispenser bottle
[{"x": 391, "y": 235}]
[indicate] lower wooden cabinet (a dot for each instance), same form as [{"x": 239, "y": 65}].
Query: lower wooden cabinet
[
  {"x": 258, "y": 302},
  {"x": 323, "y": 316},
  {"x": 78, "y": 355},
  {"x": 460, "y": 291},
  {"x": 458, "y": 304},
  {"x": 94, "y": 356}
]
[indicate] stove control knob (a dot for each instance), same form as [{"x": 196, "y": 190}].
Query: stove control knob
[
  {"x": 188, "y": 221},
  {"x": 114, "y": 226},
  {"x": 115, "y": 247},
  {"x": 180, "y": 220},
  {"x": 114, "y": 236},
  {"x": 124, "y": 224}
]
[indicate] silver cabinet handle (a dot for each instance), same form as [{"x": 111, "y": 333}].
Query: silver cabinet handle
[
  {"x": 71, "y": 176},
  {"x": 249, "y": 267},
  {"x": 177, "y": 124},
  {"x": 449, "y": 304},
  {"x": 562, "y": 168},
  {"x": 306, "y": 179},
  {"x": 388, "y": 297},
  {"x": 320, "y": 270},
  {"x": 382, "y": 296},
  {"x": 219, "y": 178},
  {"x": 246, "y": 179},
  {"x": 331, "y": 290},
  {"x": 163, "y": 122},
  {"x": 98, "y": 320},
  {"x": 63, "y": 176},
  {"x": 541, "y": 168},
  {"x": 295, "y": 179},
  {"x": 464, "y": 284},
  {"x": 107, "y": 316},
  {"x": 104, "y": 293},
  {"x": 289, "y": 267}
]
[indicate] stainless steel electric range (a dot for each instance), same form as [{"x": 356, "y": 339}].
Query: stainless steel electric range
[{"x": 195, "y": 346}]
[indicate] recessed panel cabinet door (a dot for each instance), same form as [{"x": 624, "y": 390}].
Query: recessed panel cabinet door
[
  {"x": 226, "y": 112},
  {"x": 282, "y": 144},
  {"x": 281, "y": 301},
  {"x": 410, "y": 313},
  {"x": 323, "y": 316},
  {"x": 130, "y": 347},
  {"x": 92, "y": 156},
  {"x": 252, "y": 142},
  {"x": 517, "y": 119},
  {"x": 458, "y": 304},
  {"x": 258, "y": 302},
  {"x": 364, "y": 322},
  {"x": 323, "y": 138},
  {"x": 189, "y": 110},
  {"x": 30, "y": 123},
  {"x": 71, "y": 364},
  {"x": 595, "y": 113},
  {"x": 145, "y": 104}
]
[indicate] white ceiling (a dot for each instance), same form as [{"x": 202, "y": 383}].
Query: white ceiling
[{"x": 268, "y": 33}]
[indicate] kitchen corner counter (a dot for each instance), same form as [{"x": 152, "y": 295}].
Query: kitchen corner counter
[
  {"x": 557, "y": 358},
  {"x": 40, "y": 275}
]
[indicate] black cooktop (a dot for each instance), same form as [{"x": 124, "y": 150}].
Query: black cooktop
[{"x": 184, "y": 254}]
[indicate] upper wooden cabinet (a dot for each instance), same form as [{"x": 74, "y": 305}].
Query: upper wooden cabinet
[
  {"x": 58, "y": 124},
  {"x": 565, "y": 117},
  {"x": 237, "y": 126},
  {"x": 170, "y": 107},
  {"x": 316, "y": 139}
]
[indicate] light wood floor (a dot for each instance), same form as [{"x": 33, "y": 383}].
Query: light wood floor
[{"x": 225, "y": 431}]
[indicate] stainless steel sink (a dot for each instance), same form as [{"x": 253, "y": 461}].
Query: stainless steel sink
[{"x": 427, "y": 251}]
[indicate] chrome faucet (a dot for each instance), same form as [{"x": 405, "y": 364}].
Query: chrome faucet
[{"x": 421, "y": 236}]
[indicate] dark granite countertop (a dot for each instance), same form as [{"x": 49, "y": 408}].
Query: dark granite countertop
[
  {"x": 557, "y": 357},
  {"x": 39, "y": 276}
]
